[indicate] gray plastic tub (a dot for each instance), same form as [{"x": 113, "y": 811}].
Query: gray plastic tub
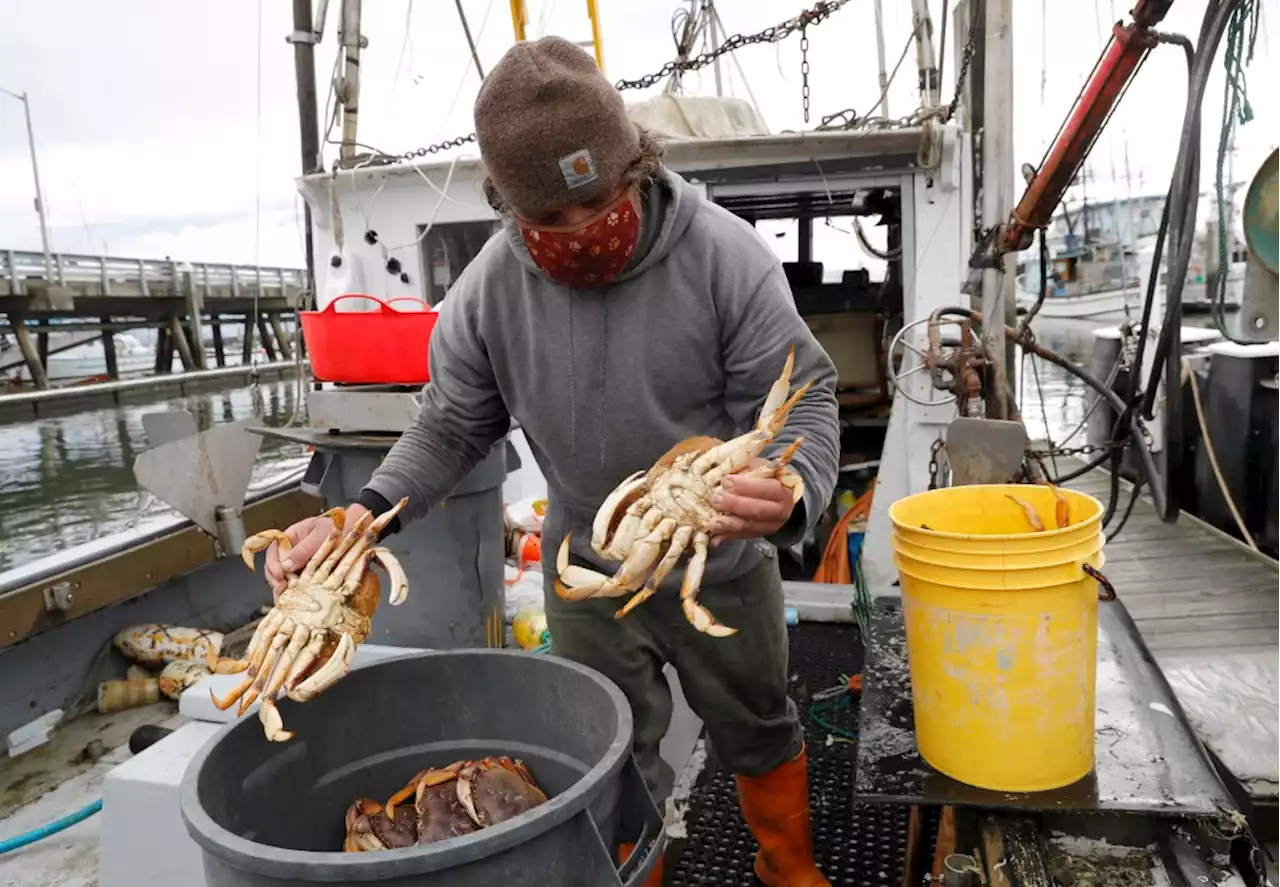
[{"x": 273, "y": 813}]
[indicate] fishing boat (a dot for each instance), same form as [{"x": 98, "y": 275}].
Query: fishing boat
[
  {"x": 1100, "y": 273},
  {"x": 1179, "y": 786}
]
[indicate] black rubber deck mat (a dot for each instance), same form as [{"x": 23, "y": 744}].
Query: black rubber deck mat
[{"x": 853, "y": 844}]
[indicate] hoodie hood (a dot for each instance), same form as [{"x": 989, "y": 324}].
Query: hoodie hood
[{"x": 668, "y": 208}]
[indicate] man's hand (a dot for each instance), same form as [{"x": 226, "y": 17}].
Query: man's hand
[
  {"x": 751, "y": 507},
  {"x": 307, "y": 536}
]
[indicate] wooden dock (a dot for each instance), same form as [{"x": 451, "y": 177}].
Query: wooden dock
[
  {"x": 104, "y": 295},
  {"x": 28, "y": 406},
  {"x": 1208, "y": 610}
]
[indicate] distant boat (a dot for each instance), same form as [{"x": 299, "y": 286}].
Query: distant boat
[{"x": 1101, "y": 277}]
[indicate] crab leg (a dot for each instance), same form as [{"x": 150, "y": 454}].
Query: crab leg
[
  {"x": 268, "y": 666},
  {"x": 633, "y": 524},
  {"x": 679, "y": 542},
  {"x": 301, "y": 635},
  {"x": 230, "y": 699},
  {"x": 344, "y": 571},
  {"x": 268, "y": 714},
  {"x": 699, "y": 616},
  {"x": 322, "y": 554},
  {"x": 578, "y": 583},
  {"x": 344, "y": 545},
  {"x": 777, "y": 467},
  {"x": 328, "y": 674},
  {"x": 380, "y": 522},
  {"x": 604, "y": 516},
  {"x": 778, "y": 393},
  {"x": 593, "y": 584},
  {"x": 261, "y": 643},
  {"x": 624, "y": 540},
  {"x": 735, "y": 455},
  {"x": 305, "y": 659}
]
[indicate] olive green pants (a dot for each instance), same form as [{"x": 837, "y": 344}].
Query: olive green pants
[{"x": 737, "y": 685}]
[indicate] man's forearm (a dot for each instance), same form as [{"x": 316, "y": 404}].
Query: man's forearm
[{"x": 428, "y": 461}]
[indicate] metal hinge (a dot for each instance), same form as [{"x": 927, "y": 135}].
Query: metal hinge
[{"x": 60, "y": 597}]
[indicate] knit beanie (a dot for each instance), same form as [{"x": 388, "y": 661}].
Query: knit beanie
[{"x": 551, "y": 129}]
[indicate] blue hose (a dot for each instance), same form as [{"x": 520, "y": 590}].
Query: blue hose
[{"x": 51, "y": 828}]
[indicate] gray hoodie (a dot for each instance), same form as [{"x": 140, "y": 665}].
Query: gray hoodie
[{"x": 686, "y": 341}]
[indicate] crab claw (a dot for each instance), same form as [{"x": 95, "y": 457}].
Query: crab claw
[
  {"x": 259, "y": 541},
  {"x": 575, "y": 583},
  {"x": 395, "y": 572},
  {"x": 618, "y": 500}
]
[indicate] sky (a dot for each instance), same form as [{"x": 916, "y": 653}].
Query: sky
[{"x": 171, "y": 129}]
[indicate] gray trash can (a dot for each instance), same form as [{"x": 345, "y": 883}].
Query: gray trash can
[{"x": 272, "y": 814}]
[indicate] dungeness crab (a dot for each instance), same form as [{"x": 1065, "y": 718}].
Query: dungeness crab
[
  {"x": 323, "y": 614},
  {"x": 448, "y": 801},
  {"x": 659, "y": 515}
]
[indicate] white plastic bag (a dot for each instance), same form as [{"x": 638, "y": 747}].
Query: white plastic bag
[{"x": 524, "y": 590}]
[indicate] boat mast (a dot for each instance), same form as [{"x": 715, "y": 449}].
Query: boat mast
[
  {"x": 997, "y": 196},
  {"x": 926, "y": 61},
  {"x": 306, "y": 34},
  {"x": 884, "y": 79},
  {"x": 351, "y": 42}
]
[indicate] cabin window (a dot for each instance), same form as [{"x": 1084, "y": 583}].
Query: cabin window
[{"x": 447, "y": 250}]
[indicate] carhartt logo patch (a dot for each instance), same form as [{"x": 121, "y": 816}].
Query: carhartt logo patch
[{"x": 578, "y": 169}]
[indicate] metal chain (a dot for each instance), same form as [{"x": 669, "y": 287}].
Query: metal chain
[
  {"x": 933, "y": 463},
  {"x": 820, "y": 12},
  {"x": 962, "y": 74},
  {"x": 848, "y": 119},
  {"x": 804, "y": 71},
  {"x": 1083, "y": 450}
]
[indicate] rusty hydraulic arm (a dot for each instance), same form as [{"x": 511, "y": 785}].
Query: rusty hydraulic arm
[{"x": 1110, "y": 78}]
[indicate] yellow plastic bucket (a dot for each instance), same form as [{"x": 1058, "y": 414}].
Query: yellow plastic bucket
[{"x": 1001, "y": 624}]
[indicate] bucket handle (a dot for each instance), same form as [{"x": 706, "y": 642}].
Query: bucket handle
[
  {"x": 639, "y": 813},
  {"x": 382, "y": 304},
  {"x": 1106, "y": 591}
]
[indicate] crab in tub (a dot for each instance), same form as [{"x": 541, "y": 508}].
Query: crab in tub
[
  {"x": 459, "y": 799},
  {"x": 305, "y": 644},
  {"x": 664, "y": 513}
]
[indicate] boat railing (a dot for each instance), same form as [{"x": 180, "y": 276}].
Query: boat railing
[{"x": 46, "y": 568}]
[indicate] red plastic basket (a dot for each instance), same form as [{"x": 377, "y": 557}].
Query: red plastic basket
[{"x": 385, "y": 346}]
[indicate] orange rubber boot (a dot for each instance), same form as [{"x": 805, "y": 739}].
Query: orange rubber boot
[
  {"x": 655, "y": 877},
  {"x": 776, "y": 808}
]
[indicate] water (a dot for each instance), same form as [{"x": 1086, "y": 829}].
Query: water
[{"x": 68, "y": 480}]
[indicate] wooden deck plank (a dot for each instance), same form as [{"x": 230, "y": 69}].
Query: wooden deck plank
[{"x": 1185, "y": 583}]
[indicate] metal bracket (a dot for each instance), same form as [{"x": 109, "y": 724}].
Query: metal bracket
[
  {"x": 312, "y": 37},
  {"x": 197, "y": 474},
  {"x": 1259, "y": 303},
  {"x": 168, "y": 426},
  {"x": 59, "y": 598},
  {"x": 985, "y": 451}
]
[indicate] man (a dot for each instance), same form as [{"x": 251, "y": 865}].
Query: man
[{"x": 617, "y": 312}]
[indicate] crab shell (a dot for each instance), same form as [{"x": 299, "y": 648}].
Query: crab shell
[
  {"x": 369, "y": 828},
  {"x": 494, "y": 790}
]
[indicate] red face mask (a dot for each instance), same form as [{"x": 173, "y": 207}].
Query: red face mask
[{"x": 591, "y": 254}]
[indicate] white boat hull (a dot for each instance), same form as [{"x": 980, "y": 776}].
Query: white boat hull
[{"x": 1107, "y": 305}]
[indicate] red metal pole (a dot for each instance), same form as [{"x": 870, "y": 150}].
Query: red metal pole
[{"x": 1128, "y": 46}]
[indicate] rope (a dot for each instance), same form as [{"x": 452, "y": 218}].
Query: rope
[
  {"x": 1189, "y": 372},
  {"x": 1241, "y": 37}
]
